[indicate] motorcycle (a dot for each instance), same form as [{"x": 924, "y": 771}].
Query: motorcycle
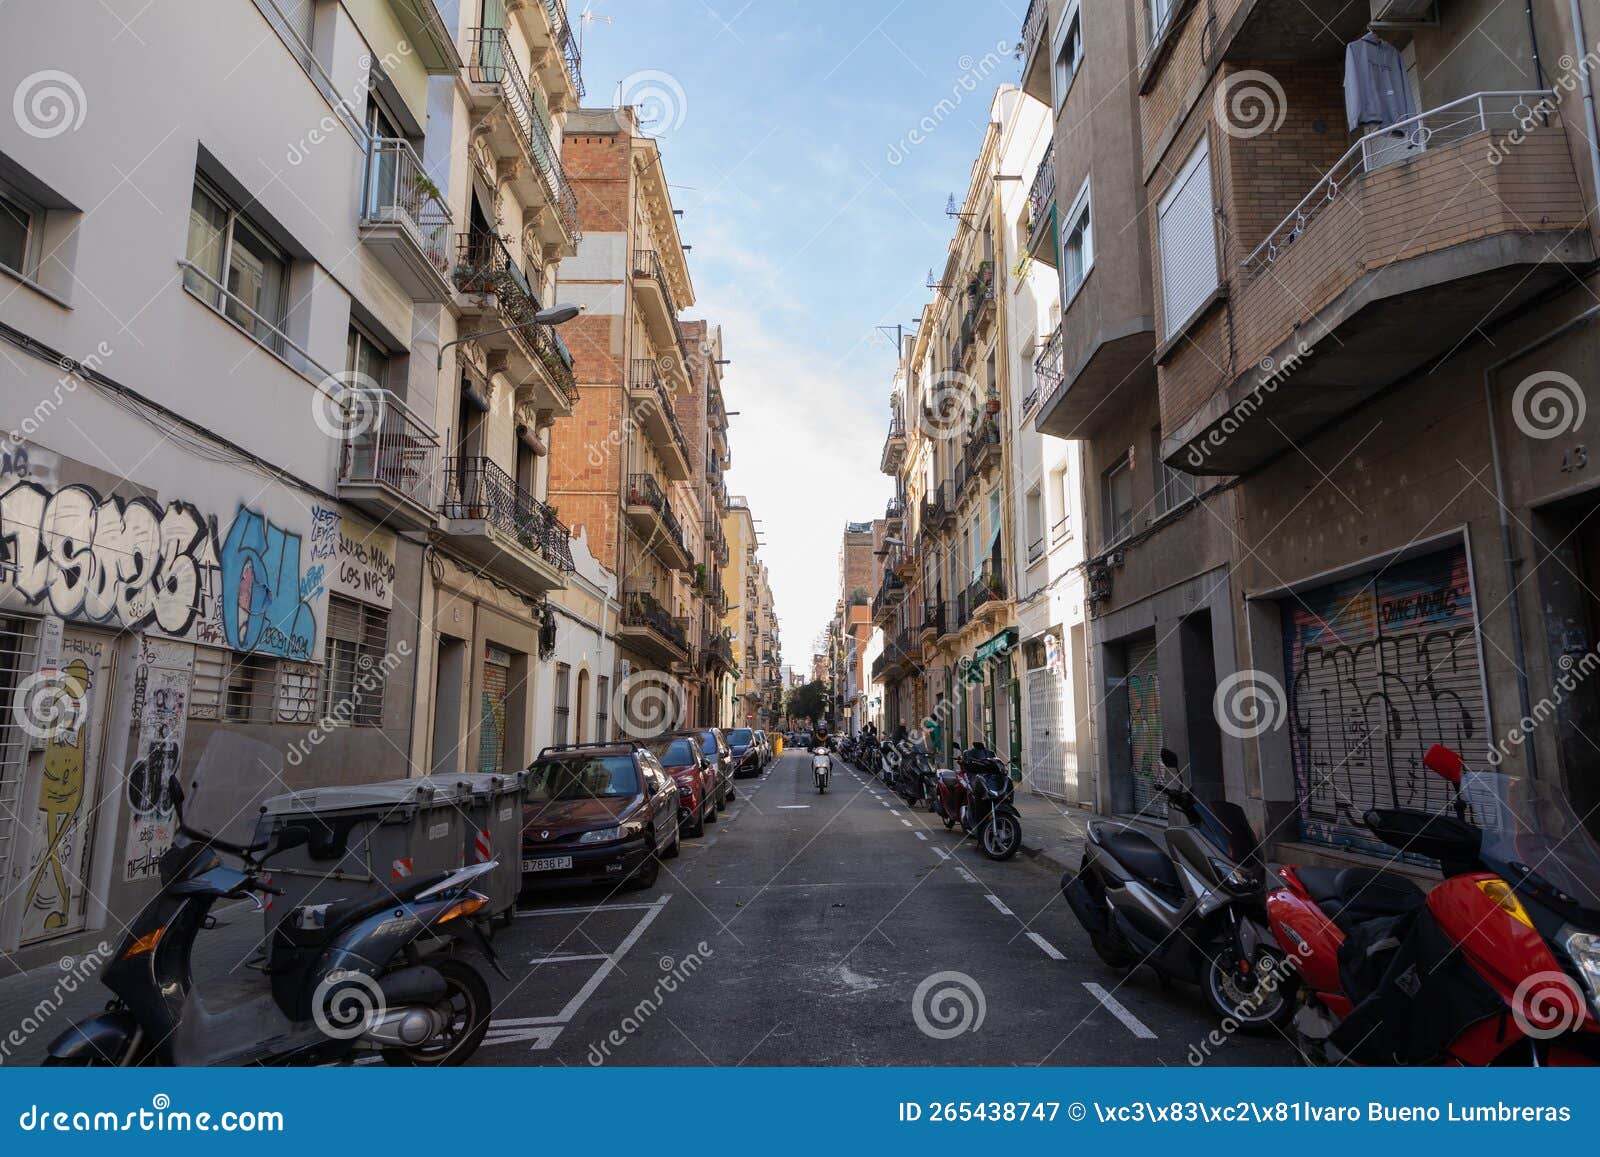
[
  {"x": 1193, "y": 910},
  {"x": 345, "y": 976},
  {"x": 979, "y": 795},
  {"x": 1499, "y": 964},
  {"x": 821, "y": 768}
]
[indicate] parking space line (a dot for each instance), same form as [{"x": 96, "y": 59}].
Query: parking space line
[
  {"x": 941, "y": 853},
  {"x": 923, "y": 836},
  {"x": 908, "y": 823},
  {"x": 1117, "y": 1009},
  {"x": 565, "y": 959},
  {"x": 584, "y": 910},
  {"x": 999, "y": 905},
  {"x": 1045, "y": 946}
]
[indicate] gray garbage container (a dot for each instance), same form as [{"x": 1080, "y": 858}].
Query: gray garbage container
[
  {"x": 367, "y": 840},
  {"x": 492, "y": 819}
]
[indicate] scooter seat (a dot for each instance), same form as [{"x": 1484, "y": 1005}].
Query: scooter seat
[
  {"x": 1352, "y": 895},
  {"x": 1140, "y": 855}
]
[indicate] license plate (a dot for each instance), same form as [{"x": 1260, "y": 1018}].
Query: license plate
[{"x": 547, "y": 864}]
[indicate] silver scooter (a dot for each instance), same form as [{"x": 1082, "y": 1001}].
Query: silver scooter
[
  {"x": 821, "y": 768},
  {"x": 1193, "y": 910}
]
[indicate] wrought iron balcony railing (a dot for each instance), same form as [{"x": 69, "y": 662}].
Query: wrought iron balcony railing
[
  {"x": 1048, "y": 366},
  {"x": 566, "y": 43},
  {"x": 1042, "y": 193},
  {"x": 641, "y": 610},
  {"x": 643, "y": 489},
  {"x": 646, "y": 375},
  {"x": 484, "y": 265},
  {"x": 478, "y": 489}
]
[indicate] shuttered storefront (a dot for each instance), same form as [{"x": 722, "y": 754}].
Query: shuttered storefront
[
  {"x": 1048, "y": 769},
  {"x": 1380, "y": 667},
  {"x": 492, "y": 727},
  {"x": 1144, "y": 728}
]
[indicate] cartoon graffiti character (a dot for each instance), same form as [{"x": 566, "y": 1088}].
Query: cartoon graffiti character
[{"x": 61, "y": 793}]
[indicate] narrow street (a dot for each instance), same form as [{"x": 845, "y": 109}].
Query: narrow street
[{"x": 823, "y": 914}]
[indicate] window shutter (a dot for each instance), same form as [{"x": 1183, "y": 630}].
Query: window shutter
[{"x": 1188, "y": 243}]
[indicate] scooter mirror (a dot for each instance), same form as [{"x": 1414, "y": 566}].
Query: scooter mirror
[{"x": 1169, "y": 758}]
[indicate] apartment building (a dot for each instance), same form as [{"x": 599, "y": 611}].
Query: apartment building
[
  {"x": 703, "y": 415},
  {"x": 1367, "y": 332},
  {"x": 507, "y": 217},
  {"x": 750, "y": 624},
  {"x": 221, "y": 322},
  {"x": 622, "y": 468}
]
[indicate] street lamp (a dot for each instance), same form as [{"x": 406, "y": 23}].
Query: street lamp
[{"x": 555, "y": 315}]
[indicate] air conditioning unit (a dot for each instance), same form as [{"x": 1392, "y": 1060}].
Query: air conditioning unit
[{"x": 1404, "y": 13}]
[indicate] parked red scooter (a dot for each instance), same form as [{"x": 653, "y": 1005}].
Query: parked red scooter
[
  {"x": 979, "y": 796},
  {"x": 1499, "y": 964}
]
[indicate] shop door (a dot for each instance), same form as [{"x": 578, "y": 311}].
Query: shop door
[
  {"x": 61, "y": 716},
  {"x": 492, "y": 724},
  {"x": 1047, "y": 749},
  {"x": 1144, "y": 729},
  {"x": 1381, "y": 667}
]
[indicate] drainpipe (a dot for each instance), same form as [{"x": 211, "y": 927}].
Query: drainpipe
[
  {"x": 1580, "y": 54},
  {"x": 1507, "y": 545}
]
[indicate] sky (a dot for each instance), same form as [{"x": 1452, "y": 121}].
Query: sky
[{"x": 812, "y": 146}]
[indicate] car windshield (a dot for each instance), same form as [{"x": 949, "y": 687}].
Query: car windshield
[
  {"x": 708, "y": 742},
  {"x": 1530, "y": 825},
  {"x": 610, "y": 775},
  {"x": 740, "y": 736},
  {"x": 673, "y": 752}
]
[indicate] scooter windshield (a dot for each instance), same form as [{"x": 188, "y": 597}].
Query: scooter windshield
[
  {"x": 1531, "y": 831},
  {"x": 233, "y": 777}
]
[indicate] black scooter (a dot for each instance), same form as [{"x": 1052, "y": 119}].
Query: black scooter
[
  {"x": 345, "y": 976},
  {"x": 1193, "y": 910}
]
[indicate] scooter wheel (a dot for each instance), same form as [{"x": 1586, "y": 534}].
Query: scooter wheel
[
  {"x": 467, "y": 1005},
  {"x": 1255, "y": 1007},
  {"x": 1000, "y": 837}
]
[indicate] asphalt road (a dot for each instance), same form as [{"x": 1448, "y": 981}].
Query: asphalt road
[{"x": 837, "y": 929}]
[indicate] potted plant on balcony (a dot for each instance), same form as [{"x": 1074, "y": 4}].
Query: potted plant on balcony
[{"x": 699, "y": 578}]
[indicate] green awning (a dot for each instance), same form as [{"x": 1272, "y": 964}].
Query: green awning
[{"x": 1001, "y": 644}]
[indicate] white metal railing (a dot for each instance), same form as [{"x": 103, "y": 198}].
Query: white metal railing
[
  {"x": 399, "y": 191},
  {"x": 1403, "y": 141},
  {"x": 385, "y": 442}
]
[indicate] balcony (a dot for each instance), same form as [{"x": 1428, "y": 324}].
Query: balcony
[
  {"x": 388, "y": 464},
  {"x": 1035, "y": 52},
  {"x": 492, "y": 294},
  {"x": 516, "y": 132},
  {"x": 980, "y": 301},
  {"x": 894, "y": 446},
  {"x": 404, "y": 222},
  {"x": 1369, "y": 279},
  {"x": 931, "y": 625},
  {"x": 1042, "y": 208},
  {"x": 503, "y": 529},
  {"x": 650, "y": 515},
  {"x": 648, "y": 628},
  {"x": 894, "y": 516},
  {"x": 561, "y": 67},
  {"x": 890, "y": 595},
  {"x": 983, "y": 453},
  {"x": 899, "y": 658},
  {"x": 719, "y": 653},
  {"x": 652, "y": 410},
  {"x": 658, "y": 306},
  {"x": 938, "y": 508}
]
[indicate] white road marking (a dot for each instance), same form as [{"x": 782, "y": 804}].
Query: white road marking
[
  {"x": 941, "y": 853},
  {"x": 584, "y": 911},
  {"x": 1046, "y": 947},
  {"x": 922, "y": 836},
  {"x": 542, "y": 1036},
  {"x": 999, "y": 906},
  {"x": 908, "y": 823},
  {"x": 966, "y": 875},
  {"x": 893, "y": 812},
  {"x": 1117, "y": 1009},
  {"x": 560, "y": 959},
  {"x": 789, "y": 807}
]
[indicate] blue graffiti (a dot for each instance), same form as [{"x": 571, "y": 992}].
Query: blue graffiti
[{"x": 263, "y": 609}]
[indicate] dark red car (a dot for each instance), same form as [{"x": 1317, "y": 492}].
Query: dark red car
[
  {"x": 598, "y": 813},
  {"x": 680, "y": 756}
]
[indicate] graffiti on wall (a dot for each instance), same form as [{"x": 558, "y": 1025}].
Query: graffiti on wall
[
  {"x": 360, "y": 560},
  {"x": 162, "y": 681},
  {"x": 136, "y": 564},
  {"x": 1381, "y": 668}
]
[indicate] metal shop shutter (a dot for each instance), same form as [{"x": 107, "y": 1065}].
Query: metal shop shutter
[
  {"x": 1047, "y": 749},
  {"x": 1144, "y": 729},
  {"x": 492, "y": 726},
  {"x": 1380, "y": 667}
]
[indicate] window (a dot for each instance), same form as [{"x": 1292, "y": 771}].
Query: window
[
  {"x": 602, "y": 709},
  {"x": 1176, "y": 486},
  {"x": 1188, "y": 242},
  {"x": 563, "y": 701},
  {"x": 1069, "y": 54},
  {"x": 1117, "y": 492},
  {"x": 1077, "y": 245},
  {"x": 1062, "y": 527},
  {"x": 20, "y": 219},
  {"x": 1035, "y": 511},
  {"x": 248, "y": 686},
  {"x": 231, "y": 252},
  {"x": 1159, "y": 11},
  {"x": 366, "y": 360},
  {"x": 354, "y": 662}
]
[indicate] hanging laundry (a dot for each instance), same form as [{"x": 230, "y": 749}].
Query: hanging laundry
[{"x": 1376, "y": 93}]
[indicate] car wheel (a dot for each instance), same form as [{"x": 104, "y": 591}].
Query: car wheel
[
  {"x": 698, "y": 827},
  {"x": 644, "y": 876},
  {"x": 675, "y": 846}
]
